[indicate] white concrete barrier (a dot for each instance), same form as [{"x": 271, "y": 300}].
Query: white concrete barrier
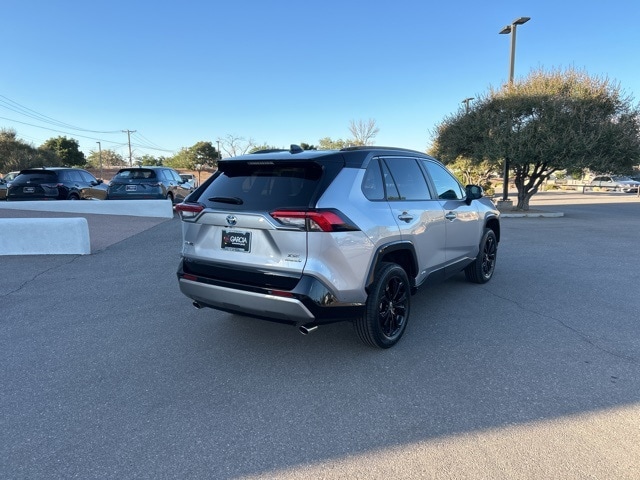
[
  {"x": 44, "y": 236},
  {"x": 136, "y": 208}
]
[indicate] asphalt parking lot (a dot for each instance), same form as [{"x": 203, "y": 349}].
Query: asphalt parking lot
[{"x": 109, "y": 372}]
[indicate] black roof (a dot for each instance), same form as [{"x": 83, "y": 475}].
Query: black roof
[{"x": 350, "y": 156}]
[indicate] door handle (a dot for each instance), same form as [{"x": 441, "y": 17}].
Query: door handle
[
  {"x": 450, "y": 216},
  {"x": 405, "y": 217}
]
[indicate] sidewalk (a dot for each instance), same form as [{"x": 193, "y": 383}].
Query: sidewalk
[{"x": 549, "y": 204}]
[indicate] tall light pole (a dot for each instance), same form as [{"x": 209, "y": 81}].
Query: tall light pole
[
  {"x": 512, "y": 30},
  {"x": 100, "y": 157},
  {"x": 466, "y": 104}
]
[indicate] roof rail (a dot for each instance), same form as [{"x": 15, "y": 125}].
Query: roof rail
[{"x": 373, "y": 147}]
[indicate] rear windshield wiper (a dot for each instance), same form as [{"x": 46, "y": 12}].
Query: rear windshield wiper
[{"x": 233, "y": 200}]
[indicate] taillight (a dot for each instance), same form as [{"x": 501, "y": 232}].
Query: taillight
[
  {"x": 189, "y": 211},
  {"x": 314, "y": 220}
]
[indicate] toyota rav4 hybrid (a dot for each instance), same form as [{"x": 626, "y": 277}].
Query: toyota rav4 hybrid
[{"x": 318, "y": 236}]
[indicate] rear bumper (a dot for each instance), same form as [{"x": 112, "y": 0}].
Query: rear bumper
[{"x": 309, "y": 302}]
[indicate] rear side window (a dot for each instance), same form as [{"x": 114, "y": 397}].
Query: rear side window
[
  {"x": 263, "y": 186},
  {"x": 372, "y": 185},
  {"x": 70, "y": 176},
  {"x": 406, "y": 181}
]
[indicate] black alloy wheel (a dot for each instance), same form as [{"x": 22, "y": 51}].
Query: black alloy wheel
[
  {"x": 387, "y": 310},
  {"x": 482, "y": 268}
]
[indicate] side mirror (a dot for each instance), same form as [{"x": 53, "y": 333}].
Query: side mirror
[{"x": 474, "y": 192}]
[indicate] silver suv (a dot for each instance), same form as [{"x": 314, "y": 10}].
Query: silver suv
[{"x": 319, "y": 236}]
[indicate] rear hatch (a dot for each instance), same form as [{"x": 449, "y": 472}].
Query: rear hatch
[
  {"x": 135, "y": 182},
  {"x": 34, "y": 184},
  {"x": 249, "y": 223}
]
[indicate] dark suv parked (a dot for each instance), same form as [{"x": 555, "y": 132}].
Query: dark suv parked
[
  {"x": 311, "y": 237},
  {"x": 56, "y": 183},
  {"x": 148, "y": 183}
]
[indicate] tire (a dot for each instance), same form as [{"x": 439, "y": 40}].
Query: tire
[
  {"x": 387, "y": 309},
  {"x": 170, "y": 197},
  {"x": 482, "y": 268},
  {"x": 73, "y": 196}
]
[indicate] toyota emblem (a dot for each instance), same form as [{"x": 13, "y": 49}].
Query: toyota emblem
[{"x": 232, "y": 220}]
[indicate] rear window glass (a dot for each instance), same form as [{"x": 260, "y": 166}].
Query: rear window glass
[
  {"x": 136, "y": 174},
  {"x": 36, "y": 176},
  {"x": 263, "y": 186}
]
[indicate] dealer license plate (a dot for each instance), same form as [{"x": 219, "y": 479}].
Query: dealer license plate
[
  {"x": 132, "y": 188},
  {"x": 236, "y": 240}
]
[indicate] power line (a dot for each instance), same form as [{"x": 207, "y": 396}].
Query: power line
[
  {"x": 28, "y": 112},
  {"x": 50, "y": 129},
  {"x": 16, "y": 107}
]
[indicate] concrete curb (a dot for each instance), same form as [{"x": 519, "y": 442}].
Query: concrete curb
[
  {"x": 531, "y": 214},
  {"x": 44, "y": 236}
]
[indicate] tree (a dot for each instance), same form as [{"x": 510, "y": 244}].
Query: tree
[
  {"x": 234, "y": 146},
  {"x": 363, "y": 132},
  {"x": 182, "y": 159},
  {"x": 264, "y": 146},
  {"x": 16, "y": 154},
  {"x": 150, "y": 160},
  {"x": 204, "y": 155},
  {"x": 559, "y": 120},
  {"x": 327, "y": 144},
  {"x": 67, "y": 150},
  {"x": 473, "y": 173},
  {"x": 197, "y": 157},
  {"x": 108, "y": 157}
]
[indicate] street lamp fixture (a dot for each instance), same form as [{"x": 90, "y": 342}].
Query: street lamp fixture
[
  {"x": 466, "y": 103},
  {"x": 510, "y": 29}
]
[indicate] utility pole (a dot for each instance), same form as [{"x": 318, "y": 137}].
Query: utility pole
[
  {"x": 100, "y": 157},
  {"x": 129, "y": 132}
]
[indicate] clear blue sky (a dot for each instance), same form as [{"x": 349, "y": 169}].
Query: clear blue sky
[{"x": 283, "y": 72}]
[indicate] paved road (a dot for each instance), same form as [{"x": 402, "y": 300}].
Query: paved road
[{"x": 108, "y": 372}]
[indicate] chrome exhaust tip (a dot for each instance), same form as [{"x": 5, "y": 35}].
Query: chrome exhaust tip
[
  {"x": 307, "y": 329},
  {"x": 197, "y": 305}
]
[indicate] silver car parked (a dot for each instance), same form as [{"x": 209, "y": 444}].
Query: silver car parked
[
  {"x": 615, "y": 183},
  {"x": 312, "y": 237}
]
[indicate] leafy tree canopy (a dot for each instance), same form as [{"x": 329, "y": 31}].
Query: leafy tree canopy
[
  {"x": 548, "y": 121},
  {"x": 150, "y": 161},
  {"x": 197, "y": 157},
  {"x": 327, "y": 143},
  {"x": 67, "y": 150},
  {"x": 109, "y": 158},
  {"x": 17, "y": 155}
]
